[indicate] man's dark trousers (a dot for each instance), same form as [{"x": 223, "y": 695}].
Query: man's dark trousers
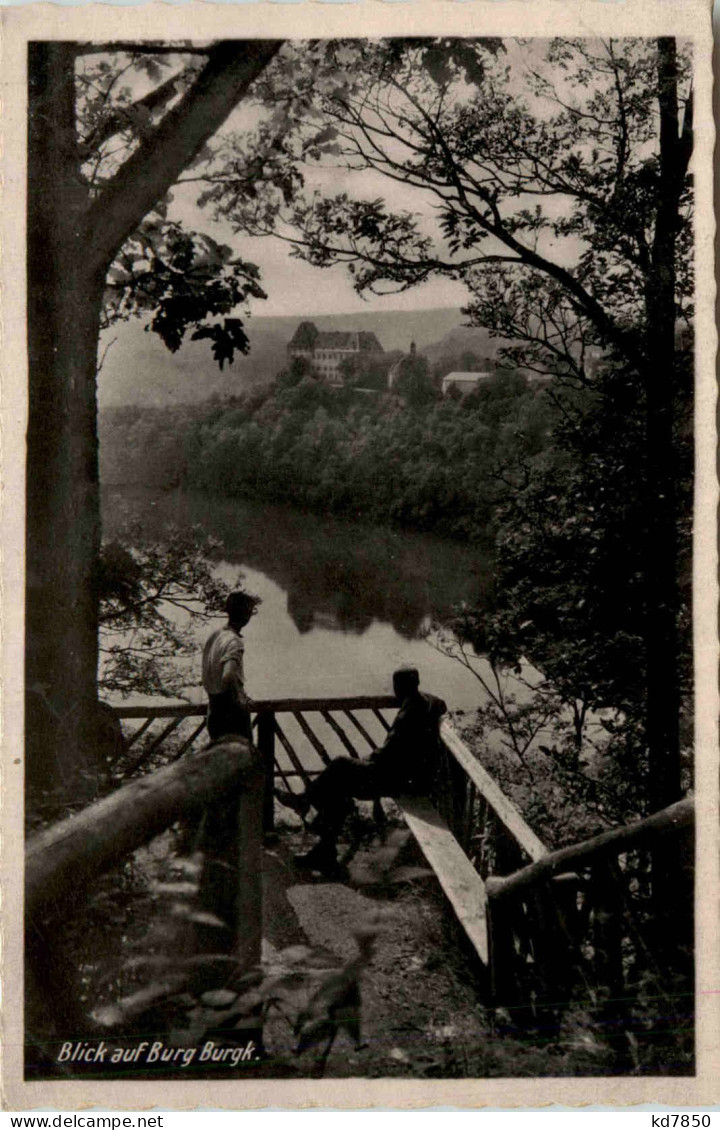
[
  {"x": 345, "y": 779},
  {"x": 225, "y": 716}
]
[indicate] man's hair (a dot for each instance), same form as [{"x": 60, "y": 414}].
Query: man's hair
[
  {"x": 407, "y": 677},
  {"x": 241, "y": 605}
]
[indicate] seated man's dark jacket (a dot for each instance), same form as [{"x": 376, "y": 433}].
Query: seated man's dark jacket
[{"x": 407, "y": 760}]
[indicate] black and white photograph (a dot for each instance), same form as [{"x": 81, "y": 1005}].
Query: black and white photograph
[{"x": 358, "y": 730}]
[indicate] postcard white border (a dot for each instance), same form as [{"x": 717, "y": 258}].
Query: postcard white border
[{"x": 688, "y": 18}]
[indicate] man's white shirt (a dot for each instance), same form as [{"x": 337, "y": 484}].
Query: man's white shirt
[{"x": 225, "y": 645}]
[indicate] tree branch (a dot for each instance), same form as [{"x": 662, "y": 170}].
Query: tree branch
[
  {"x": 590, "y": 305},
  {"x": 157, "y": 163},
  {"x": 122, "y": 117}
]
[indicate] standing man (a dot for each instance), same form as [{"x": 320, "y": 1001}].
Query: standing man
[
  {"x": 405, "y": 763},
  {"x": 223, "y": 672}
]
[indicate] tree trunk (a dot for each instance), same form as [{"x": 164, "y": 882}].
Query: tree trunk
[
  {"x": 63, "y": 527},
  {"x": 662, "y": 393},
  {"x": 73, "y": 236}
]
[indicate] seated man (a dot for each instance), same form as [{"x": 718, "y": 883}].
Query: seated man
[
  {"x": 222, "y": 671},
  {"x": 404, "y": 763}
]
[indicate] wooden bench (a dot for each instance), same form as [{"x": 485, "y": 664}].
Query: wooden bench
[
  {"x": 459, "y": 880},
  {"x": 463, "y": 887}
]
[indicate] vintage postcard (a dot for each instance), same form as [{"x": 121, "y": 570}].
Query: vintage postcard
[{"x": 359, "y": 603}]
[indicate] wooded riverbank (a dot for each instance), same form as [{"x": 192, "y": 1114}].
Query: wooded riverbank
[{"x": 432, "y": 466}]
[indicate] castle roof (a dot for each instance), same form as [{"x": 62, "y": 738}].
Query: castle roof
[{"x": 307, "y": 336}]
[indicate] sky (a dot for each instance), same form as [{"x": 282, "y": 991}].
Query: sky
[{"x": 295, "y": 288}]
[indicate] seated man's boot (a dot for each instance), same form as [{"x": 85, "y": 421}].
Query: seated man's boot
[
  {"x": 322, "y": 857},
  {"x": 329, "y": 821}
]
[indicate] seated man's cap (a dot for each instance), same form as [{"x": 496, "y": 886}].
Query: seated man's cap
[{"x": 407, "y": 675}]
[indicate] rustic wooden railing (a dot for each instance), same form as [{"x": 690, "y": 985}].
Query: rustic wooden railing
[
  {"x": 610, "y": 918},
  {"x": 296, "y": 737},
  {"x": 606, "y": 923},
  {"x": 579, "y": 917},
  {"x": 468, "y": 829},
  {"x": 226, "y": 785},
  {"x": 539, "y": 922}
]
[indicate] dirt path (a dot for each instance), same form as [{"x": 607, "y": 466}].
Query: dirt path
[{"x": 421, "y": 1013}]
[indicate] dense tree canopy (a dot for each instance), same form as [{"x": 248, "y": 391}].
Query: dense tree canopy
[
  {"x": 564, "y": 204},
  {"x": 428, "y": 463},
  {"x": 562, "y": 201}
]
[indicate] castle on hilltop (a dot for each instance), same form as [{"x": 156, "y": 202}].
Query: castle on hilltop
[{"x": 327, "y": 349}]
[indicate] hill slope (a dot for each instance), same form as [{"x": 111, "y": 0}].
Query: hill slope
[
  {"x": 461, "y": 339},
  {"x": 138, "y": 369}
]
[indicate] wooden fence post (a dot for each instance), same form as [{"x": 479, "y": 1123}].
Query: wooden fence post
[
  {"x": 552, "y": 967},
  {"x": 231, "y": 891},
  {"x": 231, "y": 880},
  {"x": 249, "y": 895},
  {"x": 607, "y": 944},
  {"x": 504, "y": 987},
  {"x": 248, "y": 891},
  {"x": 266, "y": 746},
  {"x": 459, "y": 787}
]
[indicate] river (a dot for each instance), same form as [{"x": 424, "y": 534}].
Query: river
[{"x": 343, "y": 603}]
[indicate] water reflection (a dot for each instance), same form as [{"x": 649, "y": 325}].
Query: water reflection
[{"x": 336, "y": 575}]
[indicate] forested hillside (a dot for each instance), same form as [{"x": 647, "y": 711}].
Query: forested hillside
[
  {"x": 440, "y": 465},
  {"x": 138, "y": 370}
]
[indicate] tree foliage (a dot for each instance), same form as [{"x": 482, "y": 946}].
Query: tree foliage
[
  {"x": 181, "y": 280},
  {"x": 566, "y": 210},
  {"x": 154, "y": 597},
  {"x": 176, "y": 279},
  {"x": 432, "y": 465},
  {"x": 563, "y": 179},
  {"x": 111, "y": 128}
]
